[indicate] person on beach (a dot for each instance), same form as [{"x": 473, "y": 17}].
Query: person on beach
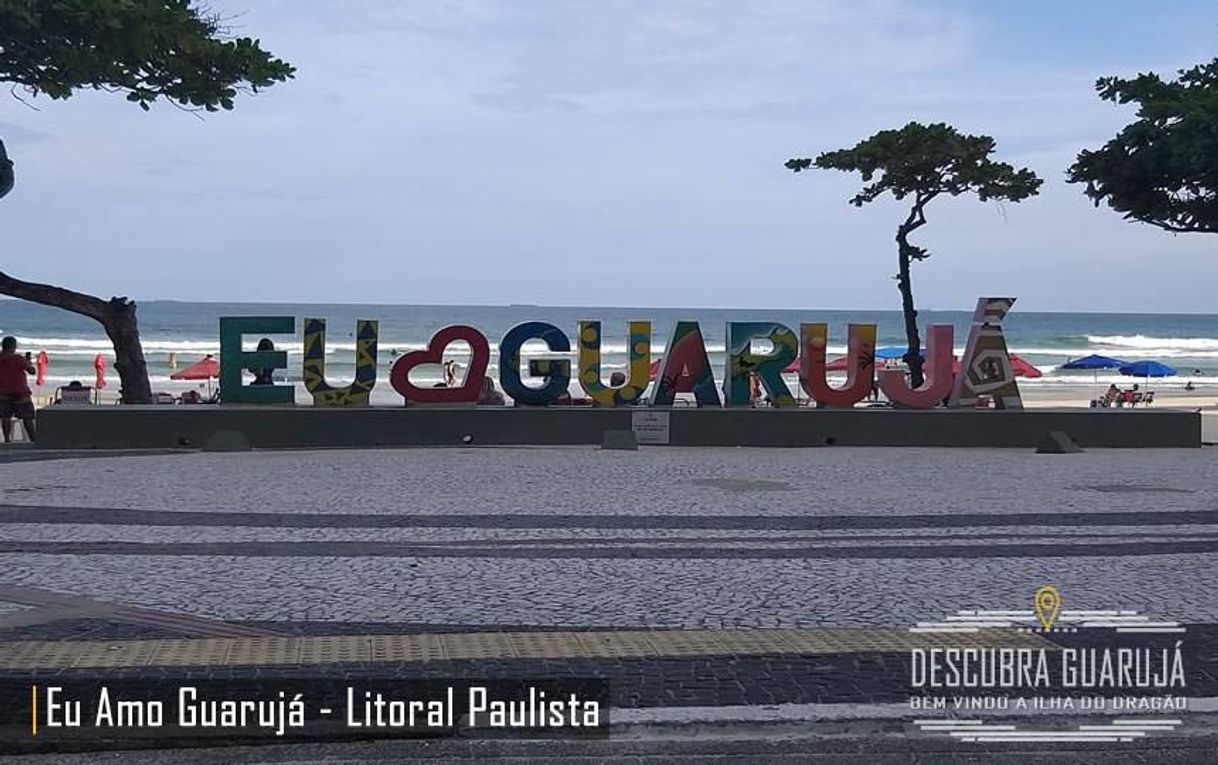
[
  {"x": 264, "y": 376},
  {"x": 15, "y": 392},
  {"x": 617, "y": 380},
  {"x": 1189, "y": 385},
  {"x": 488, "y": 396}
]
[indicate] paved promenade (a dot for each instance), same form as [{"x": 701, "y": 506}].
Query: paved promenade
[{"x": 692, "y": 579}]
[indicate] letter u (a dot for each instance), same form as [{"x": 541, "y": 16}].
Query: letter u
[{"x": 860, "y": 364}]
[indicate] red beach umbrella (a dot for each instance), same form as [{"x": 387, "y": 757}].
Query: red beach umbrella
[
  {"x": 99, "y": 367},
  {"x": 204, "y": 369},
  {"x": 43, "y": 362},
  {"x": 1022, "y": 368}
]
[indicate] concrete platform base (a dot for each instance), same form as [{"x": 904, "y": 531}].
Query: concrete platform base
[{"x": 268, "y": 427}]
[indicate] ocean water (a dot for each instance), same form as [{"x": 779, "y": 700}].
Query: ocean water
[{"x": 184, "y": 332}]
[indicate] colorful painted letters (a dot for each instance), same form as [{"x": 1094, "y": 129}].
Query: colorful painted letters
[
  {"x": 985, "y": 368},
  {"x": 860, "y": 364},
  {"x": 314, "y": 367},
  {"x": 233, "y": 359},
  {"x": 685, "y": 368},
  {"x": 559, "y": 378},
  {"x": 937, "y": 372},
  {"x": 480, "y": 356},
  {"x": 638, "y": 351},
  {"x": 743, "y": 363}
]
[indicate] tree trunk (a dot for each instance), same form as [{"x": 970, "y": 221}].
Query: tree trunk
[
  {"x": 6, "y": 172},
  {"x": 905, "y": 253},
  {"x": 124, "y": 332},
  {"x": 117, "y": 317}
]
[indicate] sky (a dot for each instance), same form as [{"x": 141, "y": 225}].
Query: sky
[{"x": 608, "y": 152}]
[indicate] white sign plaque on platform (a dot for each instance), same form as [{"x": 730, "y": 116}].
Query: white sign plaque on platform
[{"x": 650, "y": 427}]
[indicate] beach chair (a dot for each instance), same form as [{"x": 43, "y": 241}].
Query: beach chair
[
  {"x": 73, "y": 395},
  {"x": 191, "y": 397}
]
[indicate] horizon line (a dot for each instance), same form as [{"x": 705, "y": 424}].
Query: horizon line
[{"x": 138, "y": 302}]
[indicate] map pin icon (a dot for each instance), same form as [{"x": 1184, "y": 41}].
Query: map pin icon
[{"x": 1048, "y": 602}]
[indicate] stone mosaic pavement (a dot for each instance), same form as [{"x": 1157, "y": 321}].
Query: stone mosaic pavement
[
  {"x": 578, "y": 538},
  {"x": 733, "y": 576}
]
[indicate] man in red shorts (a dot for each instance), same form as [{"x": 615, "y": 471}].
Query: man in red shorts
[{"x": 15, "y": 390}]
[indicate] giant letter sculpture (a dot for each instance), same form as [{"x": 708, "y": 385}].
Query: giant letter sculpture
[
  {"x": 684, "y": 368},
  {"x": 233, "y": 359},
  {"x": 638, "y": 352},
  {"x": 985, "y": 367},
  {"x": 559, "y": 377},
  {"x": 479, "y": 358},
  {"x": 860, "y": 364},
  {"x": 314, "y": 367},
  {"x": 742, "y": 362},
  {"x": 938, "y": 369}
]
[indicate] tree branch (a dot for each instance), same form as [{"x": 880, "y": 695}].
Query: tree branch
[
  {"x": 917, "y": 213},
  {"x": 13, "y": 92},
  {"x": 1172, "y": 227},
  {"x": 56, "y": 297}
]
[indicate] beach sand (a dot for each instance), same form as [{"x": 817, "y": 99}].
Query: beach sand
[{"x": 1046, "y": 396}]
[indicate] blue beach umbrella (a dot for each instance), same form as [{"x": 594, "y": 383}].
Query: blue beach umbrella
[
  {"x": 1094, "y": 361},
  {"x": 891, "y": 352},
  {"x": 1147, "y": 369}
]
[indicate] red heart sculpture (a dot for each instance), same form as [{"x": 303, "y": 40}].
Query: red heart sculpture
[{"x": 480, "y": 356}]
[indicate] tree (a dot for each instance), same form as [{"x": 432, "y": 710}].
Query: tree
[
  {"x": 6, "y": 172},
  {"x": 148, "y": 49},
  {"x": 921, "y": 162},
  {"x": 1161, "y": 169}
]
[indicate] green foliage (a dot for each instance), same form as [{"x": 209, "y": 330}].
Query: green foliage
[
  {"x": 1163, "y": 168},
  {"x": 925, "y": 161},
  {"x": 148, "y": 49}
]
